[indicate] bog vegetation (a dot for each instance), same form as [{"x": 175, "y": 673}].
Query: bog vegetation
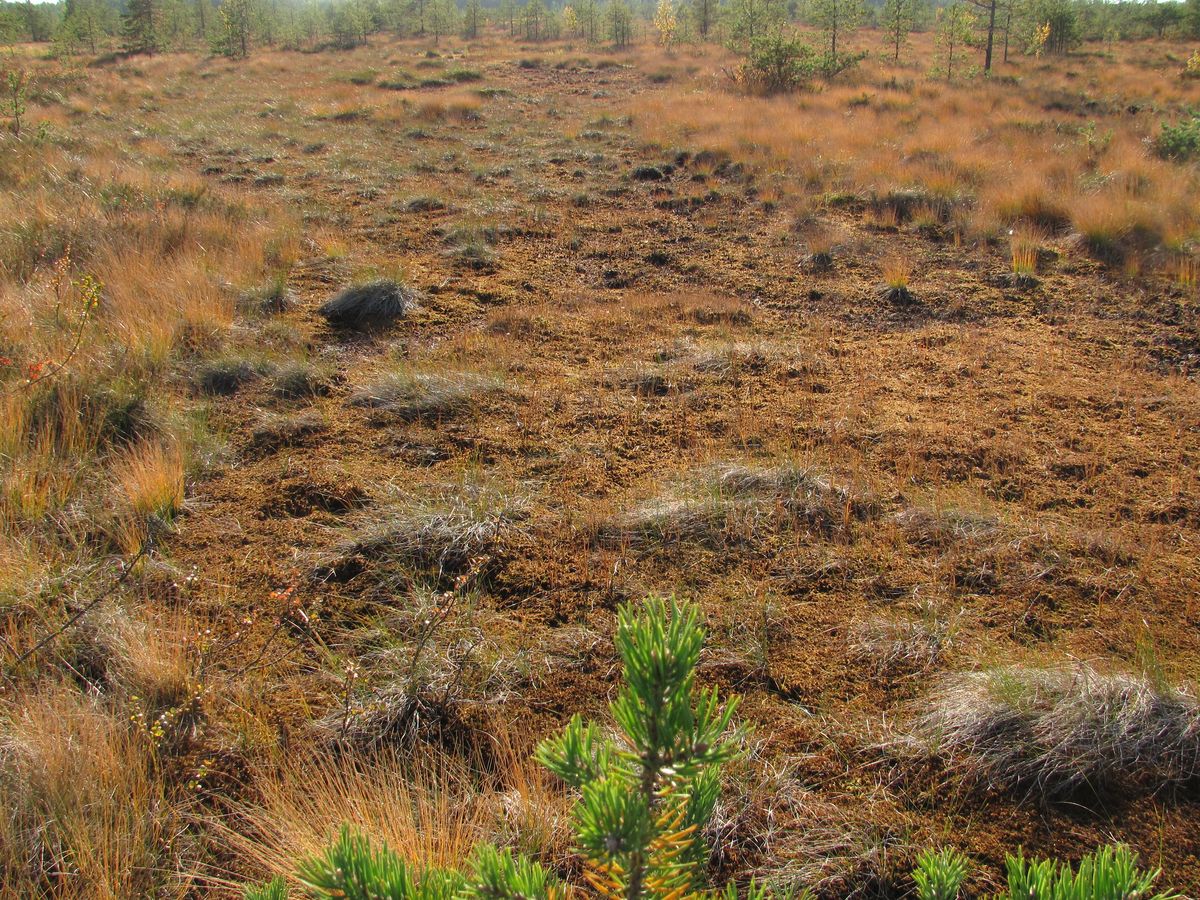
[{"x": 364, "y": 366}]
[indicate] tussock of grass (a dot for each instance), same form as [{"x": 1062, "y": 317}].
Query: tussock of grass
[
  {"x": 420, "y": 395},
  {"x": 651, "y": 380},
  {"x": 442, "y": 535},
  {"x": 896, "y": 274},
  {"x": 270, "y": 298},
  {"x": 942, "y": 528},
  {"x": 736, "y": 503},
  {"x": 84, "y": 804},
  {"x": 700, "y": 307},
  {"x": 1058, "y": 731},
  {"x": 273, "y": 431},
  {"x": 301, "y": 378},
  {"x": 136, "y": 657},
  {"x": 368, "y": 307},
  {"x": 424, "y": 809},
  {"x": 733, "y": 358},
  {"x": 895, "y": 646},
  {"x": 226, "y": 375},
  {"x": 149, "y": 476},
  {"x": 428, "y": 665},
  {"x": 796, "y": 840}
]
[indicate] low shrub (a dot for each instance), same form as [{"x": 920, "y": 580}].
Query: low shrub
[
  {"x": 781, "y": 63},
  {"x": 1180, "y": 142}
]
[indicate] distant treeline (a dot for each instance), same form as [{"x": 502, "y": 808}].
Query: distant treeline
[{"x": 235, "y": 27}]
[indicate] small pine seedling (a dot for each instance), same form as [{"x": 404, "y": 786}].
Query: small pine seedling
[{"x": 939, "y": 874}]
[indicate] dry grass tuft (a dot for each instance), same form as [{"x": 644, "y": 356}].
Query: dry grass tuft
[
  {"x": 424, "y": 806},
  {"x": 1026, "y": 244},
  {"x": 1056, "y": 732},
  {"x": 897, "y": 271},
  {"x": 150, "y": 480},
  {"x": 409, "y": 395},
  {"x": 731, "y": 504},
  {"x": 369, "y": 307},
  {"x": 903, "y": 646},
  {"x": 85, "y": 813},
  {"x": 945, "y": 527},
  {"x": 448, "y": 533},
  {"x": 142, "y": 659},
  {"x": 430, "y": 808},
  {"x": 798, "y": 840}
]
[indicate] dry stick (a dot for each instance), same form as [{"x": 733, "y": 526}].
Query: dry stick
[{"x": 88, "y": 607}]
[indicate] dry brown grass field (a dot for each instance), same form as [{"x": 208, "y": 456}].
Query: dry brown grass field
[{"x": 895, "y": 379}]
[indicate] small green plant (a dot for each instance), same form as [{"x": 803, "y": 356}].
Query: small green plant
[
  {"x": 1179, "y": 142},
  {"x": 940, "y": 874},
  {"x": 16, "y": 90},
  {"x": 352, "y": 869},
  {"x": 275, "y": 889},
  {"x": 1110, "y": 873},
  {"x": 644, "y": 797}
]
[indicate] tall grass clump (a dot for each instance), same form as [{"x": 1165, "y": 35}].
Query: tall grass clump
[
  {"x": 150, "y": 480},
  {"x": 86, "y": 812}
]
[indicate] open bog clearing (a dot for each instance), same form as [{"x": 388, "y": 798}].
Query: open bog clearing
[{"x": 347, "y": 395}]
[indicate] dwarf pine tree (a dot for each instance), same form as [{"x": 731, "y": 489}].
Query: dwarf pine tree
[
  {"x": 956, "y": 29},
  {"x": 644, "y": 795},
  {"x": 897, "y": 19},
  {"x": 472, "y": 19}
]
